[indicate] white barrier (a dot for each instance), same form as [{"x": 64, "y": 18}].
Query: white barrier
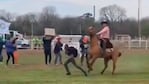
[{"x": 130, "y": 44}]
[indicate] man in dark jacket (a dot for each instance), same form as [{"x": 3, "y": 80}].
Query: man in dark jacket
[
  {"x": 72, "y": 53},
  {"x": 47, "y": 39}
]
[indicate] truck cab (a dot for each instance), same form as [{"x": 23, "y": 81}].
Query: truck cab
[{"x": 21, "y": 42}]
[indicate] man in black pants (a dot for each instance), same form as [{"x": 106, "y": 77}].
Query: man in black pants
[
  {"x": 47, "y": 39},
  {"x": 72, "y": 53}
]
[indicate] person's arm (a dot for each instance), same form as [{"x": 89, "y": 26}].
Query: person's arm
[
  {"x": 43, "y": 40},
  {"x": 15, "y": 47},
  {"x": 102, "y": 31}
]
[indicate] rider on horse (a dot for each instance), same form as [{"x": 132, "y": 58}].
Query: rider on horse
[{"x": 104, "y": 36}]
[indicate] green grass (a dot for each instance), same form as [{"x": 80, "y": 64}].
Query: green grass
[{"x": 132, "y": 68}]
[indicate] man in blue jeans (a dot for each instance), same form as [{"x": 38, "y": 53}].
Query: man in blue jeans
[
  {"x": 57, "y": 51},
  {"x": 72, "y": 53}
]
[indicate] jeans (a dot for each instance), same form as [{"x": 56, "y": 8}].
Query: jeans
[
  {"x": 10, "y": 54},
  {"x": 58, "y": 57},
  {"x": 84, "y": 54},
  {"x": 72, "y": 60}
]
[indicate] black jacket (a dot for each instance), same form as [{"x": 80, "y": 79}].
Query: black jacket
[
  {"x": 58, "y": 47},
  {"x": 47, "y": 43},
  {"x": 71, "y": 51}
]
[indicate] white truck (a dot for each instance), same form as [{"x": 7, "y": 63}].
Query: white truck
[{"x": 21, "y": 42}]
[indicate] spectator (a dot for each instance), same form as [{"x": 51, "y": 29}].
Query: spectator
[
  {"x": 39, "y": 43},
  {"x": 72, "y": 53},
  {"x": 57, "y": 51},
  {"x": 47, "y": 39},
  {"x": 84, "y": 49},
  {"x": 10, "y": 49},
  {"x": 35, "y": 42}
]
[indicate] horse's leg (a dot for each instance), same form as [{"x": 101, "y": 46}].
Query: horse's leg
[
  {"x": 106, "y": 60},
  {"x": 88, "y": 61},
  {"x": 114, "y": 59},
  {"x": 91, "y": 64}
]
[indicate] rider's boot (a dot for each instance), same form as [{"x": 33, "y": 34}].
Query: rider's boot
[{"x": 104, "y": 49}]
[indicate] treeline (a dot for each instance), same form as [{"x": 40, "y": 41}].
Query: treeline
[{"x": 36, "y": 22}]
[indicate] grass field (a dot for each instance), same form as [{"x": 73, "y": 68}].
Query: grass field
[{"x": 132, "y": 68}]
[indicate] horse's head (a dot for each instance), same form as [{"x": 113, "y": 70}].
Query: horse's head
[{"x": 91, "y": 31}]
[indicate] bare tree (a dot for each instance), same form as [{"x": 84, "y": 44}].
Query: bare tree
[
  {"x": 7, "y": 16},
  {"x": 48, "y": 16},
  {"x": 113, "y": 13},
  {"x": 145, "y": 27}
]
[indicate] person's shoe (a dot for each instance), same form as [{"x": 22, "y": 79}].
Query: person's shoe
[
  {"x": 68, "y": 73},
  {"x": 85, "y": 74}
]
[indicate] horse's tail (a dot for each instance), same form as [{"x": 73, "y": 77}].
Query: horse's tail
[
  {"x": 117, "y": 50},
  {"x": 120, "y": 54}
]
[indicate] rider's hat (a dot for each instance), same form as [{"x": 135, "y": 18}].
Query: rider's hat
[{"x": 104, "y": 22}]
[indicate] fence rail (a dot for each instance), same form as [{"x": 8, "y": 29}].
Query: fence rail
[{"x": 131, "y": 44}]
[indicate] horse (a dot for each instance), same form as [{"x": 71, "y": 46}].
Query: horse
[{"x": 95, "y": 52}]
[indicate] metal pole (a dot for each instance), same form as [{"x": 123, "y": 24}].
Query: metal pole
[
  {"x": 94, "y": 12},
  {"x": 139, "y": 23},
  {"x": 32, "y": 35},
  {"x": 32, "y": 30}
]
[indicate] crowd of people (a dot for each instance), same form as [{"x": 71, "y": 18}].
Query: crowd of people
[{"x": 70, "y": 51}]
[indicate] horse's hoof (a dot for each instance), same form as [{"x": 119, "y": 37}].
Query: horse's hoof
[
  {"x": 101, "y": 73},
  {"x": 68, "y": 73},
  {"x": 85, "y": 74}
]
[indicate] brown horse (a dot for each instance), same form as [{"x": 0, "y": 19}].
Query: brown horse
[{"x": 96, "y": 52}]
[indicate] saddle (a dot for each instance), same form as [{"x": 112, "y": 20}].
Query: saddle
[{"x": 107, "y": 44}]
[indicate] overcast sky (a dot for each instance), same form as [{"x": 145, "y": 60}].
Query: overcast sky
[{"x": 73, "y": 7}]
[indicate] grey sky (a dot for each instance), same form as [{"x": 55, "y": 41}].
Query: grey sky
[{"x": 73, "y": 7}]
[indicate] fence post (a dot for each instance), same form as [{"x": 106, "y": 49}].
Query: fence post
[
  {"x": 140, "y": 43},
  {"x": 146, "y": 47},
  {"x": 129, "y": 44},
  {"x": 32, "y": 45}
]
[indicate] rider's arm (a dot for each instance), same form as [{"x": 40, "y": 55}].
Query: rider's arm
[{"x": 102, "y": 31}]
